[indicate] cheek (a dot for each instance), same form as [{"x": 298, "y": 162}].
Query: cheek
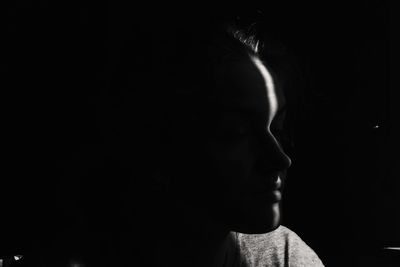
[{"x": 234, "y": 162}]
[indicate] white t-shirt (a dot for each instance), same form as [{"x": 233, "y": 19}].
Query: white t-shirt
[{"x": 279, "y": 248}]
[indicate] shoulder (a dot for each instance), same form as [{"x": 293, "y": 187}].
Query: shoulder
[{"x": 281, "y": 247}]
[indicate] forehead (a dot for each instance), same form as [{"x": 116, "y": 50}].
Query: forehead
[{"x": 248, "y": 85}]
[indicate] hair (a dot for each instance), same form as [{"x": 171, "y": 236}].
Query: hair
[{"x": 192, "y": 63}]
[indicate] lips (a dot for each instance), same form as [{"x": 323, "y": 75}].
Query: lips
[
  {"x": 275, "y": 183},
  {"x": 271, "y": 185},
  {"x": 274, "y": 195},
  {"x": 268, "y": 196}
]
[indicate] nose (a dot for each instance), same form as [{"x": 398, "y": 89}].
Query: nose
[{"x": 273, "y": 158}]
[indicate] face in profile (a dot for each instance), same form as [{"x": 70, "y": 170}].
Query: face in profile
[{"x": 233, "y": 163}]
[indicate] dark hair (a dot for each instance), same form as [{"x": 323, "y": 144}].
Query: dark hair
[
  {"x": 190, "y": 85},
  {"x": 190, "y": 69}
]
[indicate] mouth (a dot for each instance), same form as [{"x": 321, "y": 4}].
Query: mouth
[
  {"x": 275, "y": 184},
  {"x": 268, "y": 185},
  {"x": 273, "y": 196},
  {"x": 270, "y": 189}
]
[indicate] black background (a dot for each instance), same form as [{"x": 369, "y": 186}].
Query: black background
[{"x": 59, "y": 102}]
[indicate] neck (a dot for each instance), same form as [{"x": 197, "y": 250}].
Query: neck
[{"x": 193, "y": 238}]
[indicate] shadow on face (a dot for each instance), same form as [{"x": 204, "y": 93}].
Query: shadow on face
[{"x": 227, "y": 159}]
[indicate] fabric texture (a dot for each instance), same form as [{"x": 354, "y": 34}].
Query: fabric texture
[{"x": 279, "y": 248}]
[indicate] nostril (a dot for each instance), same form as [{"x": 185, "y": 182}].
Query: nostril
[{"x": 274, "y": 162}]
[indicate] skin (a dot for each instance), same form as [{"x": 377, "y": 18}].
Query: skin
[{"x": 229, "y": 164}]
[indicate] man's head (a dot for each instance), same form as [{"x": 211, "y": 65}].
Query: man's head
[{"x": 220, "y": 142}]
